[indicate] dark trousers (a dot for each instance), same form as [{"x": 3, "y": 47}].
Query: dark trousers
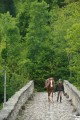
[{"x": 59, "y": 96}]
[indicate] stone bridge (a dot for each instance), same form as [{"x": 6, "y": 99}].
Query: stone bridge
[{"x": 29, "y": 105}]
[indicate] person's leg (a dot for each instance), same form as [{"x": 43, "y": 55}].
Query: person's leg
[{"x": 60, "y": 96}]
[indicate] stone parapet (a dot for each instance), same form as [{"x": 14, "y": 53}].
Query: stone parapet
[
  {"x": 74, "y": 94},
  {"x": 14, "y": 104}
]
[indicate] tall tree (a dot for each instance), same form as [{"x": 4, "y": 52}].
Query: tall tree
[
  {"x": 9, "y": 6},
  {"x": 38, "y": 33}
]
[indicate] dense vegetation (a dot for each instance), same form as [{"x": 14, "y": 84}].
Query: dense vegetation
[{"x": 39, "y": 39}]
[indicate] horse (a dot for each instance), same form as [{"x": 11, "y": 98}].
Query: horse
[{"x": 49, "y": 85}]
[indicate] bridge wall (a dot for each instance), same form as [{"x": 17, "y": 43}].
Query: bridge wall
[
  {"x": 74, "y": 94},
  {"x": 14, "y": 104}
]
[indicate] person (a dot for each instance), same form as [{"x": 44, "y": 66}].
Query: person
[
  {"x": 60, "y": 90},
  {"x": 49, "y": 85}
]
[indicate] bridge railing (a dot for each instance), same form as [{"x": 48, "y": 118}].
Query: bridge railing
[
  {"x": 14, "y": 104},
  {"x": 74, "y": 94}
]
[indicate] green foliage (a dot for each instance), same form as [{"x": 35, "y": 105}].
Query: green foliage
[
  {"x": 11, "y": 42},
  {"x": 2, "y": 6},
  {"x": 23, "y": 19},
  {"x": 38, "y": 34},
  {"x": 1, "y": 87},
  {"x": 4, "y": 53},
  {"x": 43, "y": 40},
  {"x": 66, "y": 39},
  {"x": 1, "y": 106},
  {"x": 9, "y": 6}
]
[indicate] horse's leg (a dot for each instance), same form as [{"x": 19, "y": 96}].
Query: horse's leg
[
  {"x": 48, "y": 95},
  {"x": 52, "y": 95}
]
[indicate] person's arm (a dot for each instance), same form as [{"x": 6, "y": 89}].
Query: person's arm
[{"x": 63, "y": 88}]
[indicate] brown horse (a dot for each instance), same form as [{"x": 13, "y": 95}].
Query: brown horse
[{"x": 50, "y": 86}]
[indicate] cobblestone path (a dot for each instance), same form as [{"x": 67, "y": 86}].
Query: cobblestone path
[{"x": 38, "y": 108}]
